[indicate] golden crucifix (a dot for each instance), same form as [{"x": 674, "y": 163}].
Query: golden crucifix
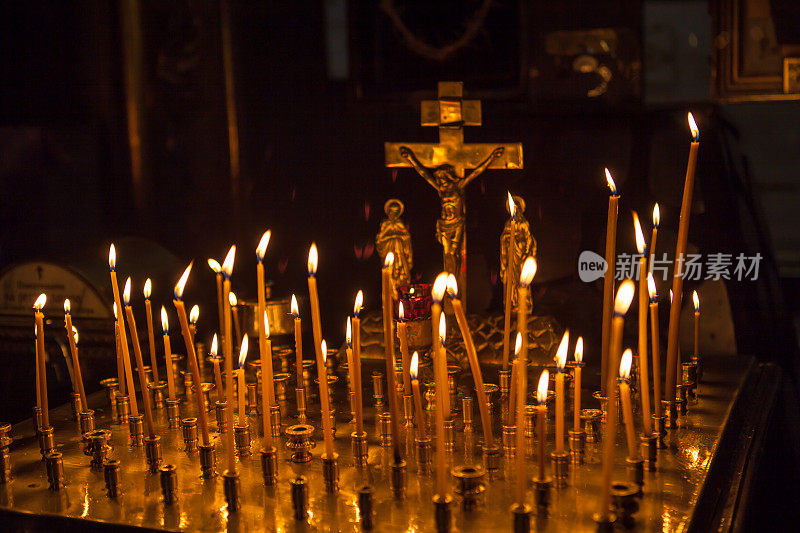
[{"x": 442, "y": 165}]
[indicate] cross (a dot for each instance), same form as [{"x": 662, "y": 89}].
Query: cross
[{"x": 450, "y": 113}]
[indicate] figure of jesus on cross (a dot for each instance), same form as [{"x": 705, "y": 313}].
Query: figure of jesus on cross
[{"x": 443, "y": 166}]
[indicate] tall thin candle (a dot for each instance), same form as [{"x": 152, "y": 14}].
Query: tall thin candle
[
  {"x": 233, "y": 301},
  {"x": 316, "y": 324},
  {"x": 576, "y": 397},
  {"x": 508, "y": 286},
  {"x": 680, "y": 251},
  {"x": 525, "y": 279},
  {"x": 120, "y": 364},
  {"x": 388, "y": 343},
  {"x": 215, "y": 266},
  {"x": 227, "y": 346},
  {"x": 38, "y": 318},
  {"x": 267, "y": 383},
  {"x": 402, "y": 334},
  {"x": 298, "y": 342},
  {"x": 322, "y": 377},
  {"x": 654, "y": 237},
  {"x": 625, "y": 397},
  {"x": 123, "y": 335},
  {"x": 422, "y": 430},
  {"x": 512, "y": 396},
  {"x": 655, "y": 344},
  {"x": 696, "y": 301},
  {"x": 148, "y": 286},
  {"x": 541, "y": 417},
  {"x": 167, "y": 354},
  {"x": 72, "y": 336},
  {"x": 561, "y": 361},
  {"x": 215, "y": 359},
  {"x": 242, "y": 386},
  {"x": 137, "y": 351},
  {"x": 439, "y": 369},
  {"x": 644, "y": 297},
  {"x": 622, "y": 302},
  {"x": 357, "y": 361},
  {"x": 267, "y": 389},
  {"x": 608, "y": 280},
  {"x": 441, "y": 392}
]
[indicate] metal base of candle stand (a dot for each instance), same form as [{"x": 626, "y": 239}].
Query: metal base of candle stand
[
  {"x": 521, "y": 518},
  {"x": 670, "y": 410},
  {"x": 560, "y": 462},
  {"x": 189, "y": 431},
  {"x": 123, "y": 409},
  {"x": 222, "y": 424},
  {"x": 491, "y": 459},
  {"x": 649, "y": 448},
  {"x": 408, "y": 411},
  {"x": 330, "y": 472},
  {"x": 111, "y": 477},
  {"x": 37, "y": 420},
  {"x": 47, "y": 443},
  {"x": 300, "y": 441},
  {"x": 269, "y": 466},
  {"x": 541, "y": 495},
  {"x": 77, "y": 407},
  {"x": 689, "y": 378},
  {"x": 275, "y": 419},
  {"x": 252, "y": 400},
  {"x": 207, "y": 461},
  {"x": 86, "y": 421},
  {"x": 660, "y": 430},
  {"x": 152, "y": 451},
  {"x": 54, "y": 464},
  {"x": 112, "y": 390},
  {"x": 505, "y": 382},
  {"x": 624, "y": 499},
  {"x": 300, "y": 398},
  {"x": 449, "y": 437},
  {"x": 469, "y": 485},
  {"x": 169, "y": 483},
  {"x": 635, "y": 469},
  {"x": 231, "y": 488},
  {"x": 157, "y": 394},
  {"x": 300, "y": 498},
  {"x": 173, "y": 413},
  {"x": 398, "y": 479},
  {"x": 359, "y": 447},
  {"x": 509, "y": 439},
  {"x": 424, "y": 454},
  {"x": 241, "y": 439},
  {"x": 385, "y": 425},
  {"x": 605, "y": 522},
  {"x": 5, "y": 456},
  {"x": 136, "y": 429},
  {"x": 366, "y": 495},
  {"x": 99, "y": 448},
  {"x": 443, "y": 517},
  {"x": 680, "y": 400},
  {"x": 577, "y": 445}
]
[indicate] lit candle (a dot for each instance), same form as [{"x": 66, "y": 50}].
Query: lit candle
[
  {"x": 654, "y": 344},
  {"x": 625, "y": 396},
  {"x": 191, "y": 355},
  {"x": 421, "y": 422},
  {"x": 357, "y": 361},
  {"x": 678, "y": 358},
  {"x": 123, "y": 335},
  {"x": 167, "y": 354},
  {"x": 120, "y": 364},
  {"x": 644, "y": 298},
  {"x": 512, "y": 400},
  {"x": 608, "y": 280},
  {"x": 194, "y": 316},
  {"x": 242, "y": 393},
  {"x": 234, "y": 303},
  {"x": 298, "y": 342},
  {"x": 316, "y": 324},
  {"x": 217, "y": 374},
  {"x": 402, "y": 334},
  {"x": 654, "y": 237},
  {"x": 541, "y": 412},
  {"x": 525, "y": 279},
  {"x": 441, "y": 392},
  {"x": 508, "y": 286},
  {"x": 72, "y": 336},
  {"x": 267, "y": 383},
  {"x": 322, "y": 376},
  {"x": 38, "y": 318},
  {"x": 439, "y": 363},
  {"x": 227, "y": 347},
  {"x": 267, "y": 387},
  {"x": 622, "y": 302},
  {"x": 215, "y": 266},
  {"x": 472, "y": 357},
  {"x": 137, "y": 351},
  {"x": 680, "y": 250},
  {"x": 150, "y": 336},
  {"x": 388, "y": 344},
  {"x": 561, "y": 361},
  {"x": 576, "y": 398},
  {"x": 348, "y": 348},
  {"x": 696, "y": 301}
]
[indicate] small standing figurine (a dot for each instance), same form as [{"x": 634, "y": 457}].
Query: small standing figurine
[
  {"x": 524, "y": 245},
  {"x": 394, "y": 237}
]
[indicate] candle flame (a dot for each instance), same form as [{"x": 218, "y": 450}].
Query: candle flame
[
  {"x": 358, "y": 304},
  {"x": 442, "y": 328},
  {"x": 452, "y": 286},
  {"x": 243, "y": 351},
  {"x": 624, "y": 297},
  {"x": 164, "y": 321},
  {"x": 323, "y": 346},
  {"x": 414, "y": 370},
  {"x": 512, "y": 207},
  {"x": 148, "y": 287},
  {"x": 518, "y": 344},
  {"x": 388, "y": 261},
  {"x": 313, "y": 258},
  {"x": 671, "y": 296},
  {"x": 693, "y": 127},
  {"x": 40, "y": 301},
  {"x": 561, "y": 353},
  {"x": 261, "y": 249},
  {"x": 541, "y": 389},
  {"x": 625, "y": 364},
  {"x": 194, "y": 314},
  {"x": 114, "y": 307},
  {"x": 696, "y": 300},
  {"x": 67, "y": 306},
  {"x": 215, "y": 266},
  {"x": 266, "y": 325},
  {"x": 611, "y": 184},
  {"x": 126, "y": 292},
  {"x": 439, "y": 286},
  {"x": 295, "y": 307},
  {"x": 178, "y": 292},
  {"x": 348, "y": 334},
  {"x": 232, "y": 299},
  {"x": 112, "y": 257},
  {"x": 400, "y": 312},
  {"x": 75, "y": 334},
  {"x": 528, "y": 271},
  {"x": 641, "y": 246},
  {"x": 651, "y": 287},
  {"x": 579, "y": 350},
  {"x": 214, "y": 346},
  {"x": 227, "y": 264},
  {"x": 656, "y": 215}
]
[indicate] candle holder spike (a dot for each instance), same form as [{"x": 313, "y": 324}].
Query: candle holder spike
[
  {"x": 252, "y": 400},
  {"x": 680, "y": 400},
  {"x": 505, "y": 383}
]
